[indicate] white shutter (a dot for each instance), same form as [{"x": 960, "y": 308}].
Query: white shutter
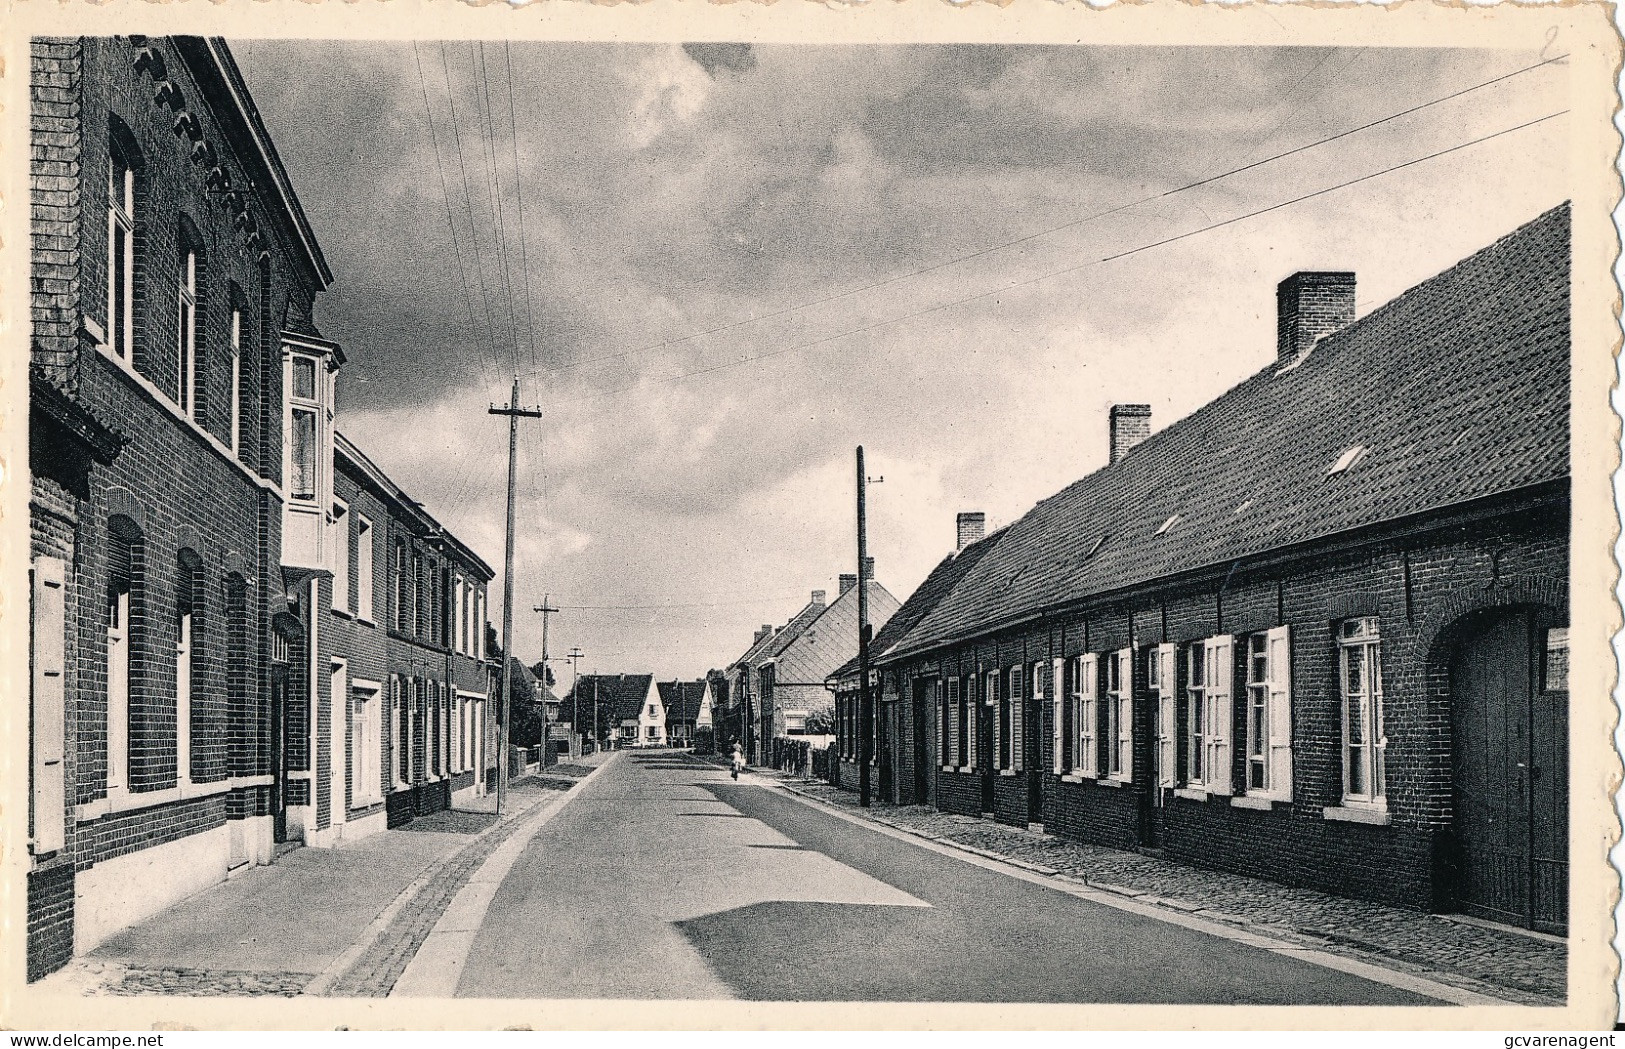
[
  {"x": 1017, "y": 737},
  {"x": 1125, "y": 713},
  {"x": 952, "y": 711},
  {"x": 1280, "y": 713},
  {"x": 1221, "y": 672},
  {"x": 1057, "y": 697},
  {"x": 992, "y": 697},
  {"x": 1167, "y": 730},
  {"x": 47, "y": 707},
  {"x": 1088, "y": 720}
]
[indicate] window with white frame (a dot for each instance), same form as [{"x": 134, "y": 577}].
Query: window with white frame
[
  {"x": 1085, "y": 714},
  {"x": 1056, "y": 693},
  {"x": 188, "y": 592},
  {"x": 1209, "y": 666},
  {"x": 120, "y": 254},
  {"x": 341, "y": 556},
  {"x": 363, "y": 567},
  {"x": 955, "y": 716},
  {"x": 1120, "y": 714},
  {"x": 400, "y": 727},
  {"x": 1269, "y": 714},
  {"x": 1359, "y": 654},
  {"x": 1010, "y": 719},
  {"x": 122, "y": 556},
  {"x": 1160, "y": 674},
  {"x": 458, "y": 620},
  {"x": 399, "y": 580},
  {"x": 366, "y": 746},
  {"x": 236, "y": 402},
  {"x": 304, "y": 414},
  {"x": 1000, "y": 718},
  {"x": 969, "y": 719},
  {"x": 186, "y": 333}
]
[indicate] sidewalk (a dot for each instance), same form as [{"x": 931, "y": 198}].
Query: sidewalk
[
  {"x": 1521, "y": 968},
  {"x": 341, "y": 921}
]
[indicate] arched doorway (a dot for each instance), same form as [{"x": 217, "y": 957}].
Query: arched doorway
[{"x": 1509, "y": 717}]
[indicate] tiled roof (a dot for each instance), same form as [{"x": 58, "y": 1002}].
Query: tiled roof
[
  {"x": 1456, "y": 390},
  {"x": 681, "y": 699},
  {"x": 623, "y": 695},
  {"x": 949, "y": 571},
  {"x": 831, "y": 638}
]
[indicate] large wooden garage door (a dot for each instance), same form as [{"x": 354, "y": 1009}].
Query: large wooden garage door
[{"x": 1509, "y": 692}]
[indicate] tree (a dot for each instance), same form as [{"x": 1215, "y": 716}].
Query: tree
[{"x": 821, "y": 720}]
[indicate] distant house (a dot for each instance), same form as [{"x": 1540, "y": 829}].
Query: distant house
[
  {"x": 627, "y": 709},
  {"x": 687, "y": 707}
]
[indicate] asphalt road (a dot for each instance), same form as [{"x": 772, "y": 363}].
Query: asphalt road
[{"x": 666, "y": 879}]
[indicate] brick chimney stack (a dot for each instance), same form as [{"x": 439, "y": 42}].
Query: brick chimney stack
[
  {"x": 1308, "y": 305},
  {"x": 1131, "y": 424},
  {"x": 848, "y": 581},
  {"x": 765, "y": 632},
  {"x": 971, "y": 527},
  {"x": 818, "y": 598}
]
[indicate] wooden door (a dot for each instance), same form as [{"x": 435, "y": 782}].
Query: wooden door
[
  {"x": 984, "y": 752},
  {"x": 925, "y": 702},
  {"x": 1510, "y": 774}
]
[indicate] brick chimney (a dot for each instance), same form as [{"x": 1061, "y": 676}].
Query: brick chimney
[
  {"x": 1131, "y": 424},
  {"x": 848, "y": 581},
  {"x": 971, "y": 527},
  {"x": 765, "y": 632},
  {"x": 1308, "y": 305},
  {"x": 818, "y": 598}
]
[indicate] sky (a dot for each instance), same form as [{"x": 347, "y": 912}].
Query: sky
[{"x": 719, "y": 268}]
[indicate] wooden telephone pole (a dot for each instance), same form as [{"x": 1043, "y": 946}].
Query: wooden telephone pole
[
  {"x": 504, "y": 728},
  {"x": 866, "y": 709}
]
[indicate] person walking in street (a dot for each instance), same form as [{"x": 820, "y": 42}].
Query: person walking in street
[{"x": 738, "y": 758}]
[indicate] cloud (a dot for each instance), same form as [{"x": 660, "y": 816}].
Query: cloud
[
  {"x": 708, "y": 293},
  {"x": 722, "y": 59}
]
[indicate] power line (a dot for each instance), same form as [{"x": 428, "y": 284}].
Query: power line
[
  {"x": 1070, "y": 269},
  {"x": 1208, "y": 180}
]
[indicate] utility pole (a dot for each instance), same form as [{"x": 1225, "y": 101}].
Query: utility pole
[
  {"x": 505, "y": 730},
  {"x": 545, "y": 609},
  {"x": 575, "y": 657},
  {"x": 595, "y": 739},
  {"x": 866, "y": 710}
]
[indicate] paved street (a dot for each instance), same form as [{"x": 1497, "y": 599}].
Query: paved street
[{"x": 664, "y": 878}]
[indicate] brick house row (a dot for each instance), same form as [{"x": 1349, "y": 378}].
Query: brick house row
[
  {"x": 197, "y": 694},
  {"x": 1315, "y": 632}
]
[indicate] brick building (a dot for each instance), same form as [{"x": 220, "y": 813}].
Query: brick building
[
  {"x": 901, "y": 765},
  {"x": 781, "y": 678},
  {"x": 1314, "y": 632},
  {"x": 406, "y": 613},
  {"x": 171, "y": 262}
]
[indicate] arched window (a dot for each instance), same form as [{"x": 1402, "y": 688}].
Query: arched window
[
  {"x": 238, "y": 412},
  {"x": 189, "y": 372},
  {"x": 123, "y": 186},
  {"x": 125, "y": 570},
  {"x": 188, "y": 620}
]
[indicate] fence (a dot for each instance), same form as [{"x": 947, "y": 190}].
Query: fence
[{"x": 799, "y": 757}]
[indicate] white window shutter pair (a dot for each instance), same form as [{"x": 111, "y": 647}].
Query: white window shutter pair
[
  {"x": 1057, "y": 673},
  {"x": 972, "y": 715},
  {"x": 1089, "y": 720},
  {"x": 1017, "y": 736},
  {"x": 1280, "y": 713},
  {"x": 48, "y": 799},
  {"x": 991, "y": 682},
  {"x": 953, "y": 721},
  {"x": 1167, "y": 729},
  {"x": 1124, "y": 713},
  {"x": 1221, "y": 672}
]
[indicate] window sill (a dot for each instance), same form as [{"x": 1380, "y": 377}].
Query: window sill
[
  {"x": 1250, "y": 801},
  {"x": 1073, "y": 777},
  {"x": 342, "y": 613},
  {"x": 1191, "y": 793},
  {"x": 1370, "y": 815},
  {"x": 367, "y": 619},
  {"x": 127, "y": 370},
  {"x": 1008, "y": 773},
  {"x": 121, "y": 800},
  {"x": 1111, "y": 781},
  {"x": 967, "y": 768}
]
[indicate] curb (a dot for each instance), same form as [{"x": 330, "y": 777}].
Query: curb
[
  {"x": 1463, "y": 990},
  {"x": 436, "y": 966},
  {"x": 375, "y": 930}
]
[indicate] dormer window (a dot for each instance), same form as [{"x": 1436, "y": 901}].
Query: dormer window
[{"x": 309, "y": 368}]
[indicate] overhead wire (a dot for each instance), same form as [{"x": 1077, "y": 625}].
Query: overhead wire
[
  {"x": 1047, "y": 231},
  {"x": 884, "y": 322}
]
